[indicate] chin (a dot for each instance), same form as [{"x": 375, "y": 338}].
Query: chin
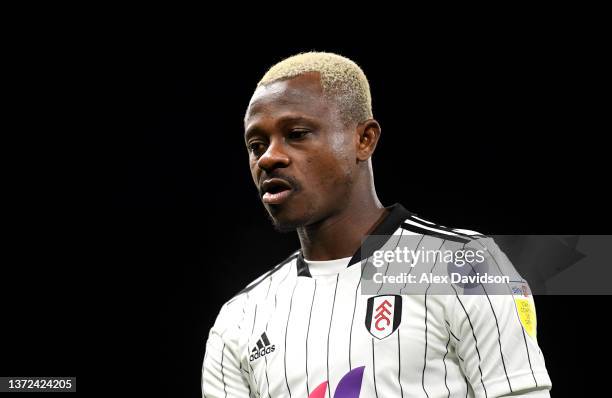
[
  {"x": 284, "y": 228},
  {"x": 285, "y": 222}
]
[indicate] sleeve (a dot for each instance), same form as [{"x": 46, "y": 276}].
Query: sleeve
[
  {"x": 222, "y": 374},
  {"x": 531, "y": 394},
  {"x": 496, "y": 341}
]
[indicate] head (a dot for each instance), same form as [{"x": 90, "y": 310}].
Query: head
[{"x": 310, "y": 136}]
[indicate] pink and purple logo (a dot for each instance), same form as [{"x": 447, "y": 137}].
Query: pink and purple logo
[{"x": 349, "y": 386}]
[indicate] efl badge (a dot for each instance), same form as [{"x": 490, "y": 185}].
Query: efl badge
[
  {"x": 383, "y": 315},
  {"x": 527, "y": 315},
  {"x": 525, "y": 308}
]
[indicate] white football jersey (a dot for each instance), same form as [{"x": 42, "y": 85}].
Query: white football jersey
[{"x": 295, "y": 334}]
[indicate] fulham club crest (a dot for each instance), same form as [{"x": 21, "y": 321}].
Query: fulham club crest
[{"x": 383, "y": 315}]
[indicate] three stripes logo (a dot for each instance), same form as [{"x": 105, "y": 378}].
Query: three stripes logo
[{"x": 262, "y": 348}]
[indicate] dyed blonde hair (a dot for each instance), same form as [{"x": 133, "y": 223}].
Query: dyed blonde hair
[{"x": 341, "y": 79}]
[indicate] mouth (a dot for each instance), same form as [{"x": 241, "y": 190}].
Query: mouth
[{"x": 275, "y": 191}]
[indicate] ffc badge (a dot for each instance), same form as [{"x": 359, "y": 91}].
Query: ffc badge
[{"x": 383, "y": 315}]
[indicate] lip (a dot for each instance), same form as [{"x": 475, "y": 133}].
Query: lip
[{"x": 278, "y": 197}]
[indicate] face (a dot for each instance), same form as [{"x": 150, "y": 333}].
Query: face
[{"x": 301, "y": 154}]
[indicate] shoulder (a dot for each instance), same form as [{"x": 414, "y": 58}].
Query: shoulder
[
  {"x": 261, "y": 283},
  {"x": 423, "y": 226},
  {"x": 461, "y": 238},
  {"x": 241, "y": 305}
]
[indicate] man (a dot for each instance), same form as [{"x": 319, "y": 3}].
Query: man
[{"x": 308, "y": 327}]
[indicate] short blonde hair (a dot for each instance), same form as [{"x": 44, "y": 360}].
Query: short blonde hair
[{"x": 341, "y": 79}]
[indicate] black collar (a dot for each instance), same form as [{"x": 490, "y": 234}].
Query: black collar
[{"x": 374, "y": 241}]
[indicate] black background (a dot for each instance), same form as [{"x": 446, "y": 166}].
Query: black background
[{"x": 131, "y": 215}]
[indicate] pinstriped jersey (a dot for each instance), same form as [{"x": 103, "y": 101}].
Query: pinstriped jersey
[{"x": 292, "y": 334}]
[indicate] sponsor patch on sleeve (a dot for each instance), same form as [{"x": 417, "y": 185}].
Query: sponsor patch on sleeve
[{"x": 525, "y": 308}]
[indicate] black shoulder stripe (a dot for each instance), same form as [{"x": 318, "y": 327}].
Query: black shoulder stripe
[
  {"x": 423, "y": 231},
  {"x": 442, "y": 227},
  {"x": 267, "y": 274}
]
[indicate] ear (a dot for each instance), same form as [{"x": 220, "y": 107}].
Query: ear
[{"x": 368, "y": 134}]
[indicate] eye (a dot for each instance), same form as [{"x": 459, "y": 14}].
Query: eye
[
  {"x": 298, "y": 134},
  {"x": 256, "y": 148}
]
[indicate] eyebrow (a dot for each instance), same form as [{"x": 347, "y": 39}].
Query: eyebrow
[{"x": 255, "y": 129}]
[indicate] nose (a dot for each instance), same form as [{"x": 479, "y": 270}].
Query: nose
[{"x": 274, "y": 157}]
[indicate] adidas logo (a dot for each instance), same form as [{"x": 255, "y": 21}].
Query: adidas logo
[{"x": 263, "y": 347}]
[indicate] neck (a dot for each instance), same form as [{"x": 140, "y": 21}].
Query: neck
[{"x": 320, "y": 241}]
